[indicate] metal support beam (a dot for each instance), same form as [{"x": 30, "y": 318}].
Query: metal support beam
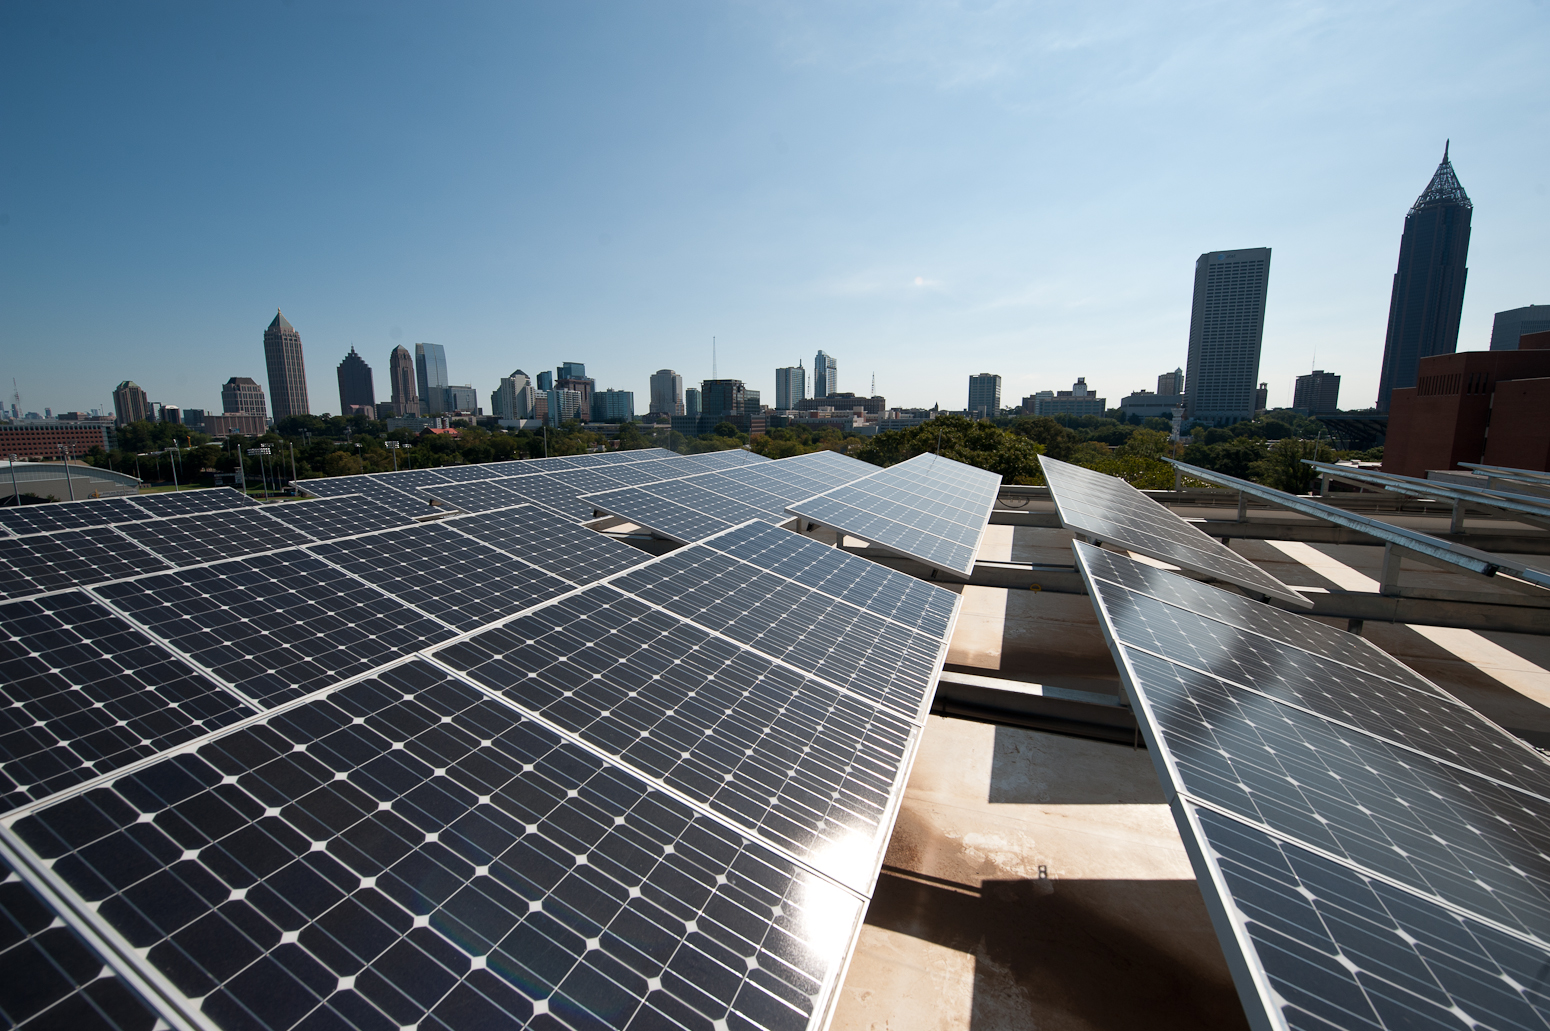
[
  {"x": 1456, "y": 523},
  {"x": 1243, "y": 507}
]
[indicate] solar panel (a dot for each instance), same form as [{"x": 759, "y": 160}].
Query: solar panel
[
  {"x": 929, "y": 508},
  {"x": 70, "y": 515},
  {"x": 1330, "y": 947},
  {"x": 671, "y": 519},
  {"x": 447, "y": 575},
  {"x": 405, "y": 501},
  {"x": 275, "y": 626},
  {"x": 574, "y": 554},
  {"x": 86, "y": 694},
  {"x": 549, "y": 493},
  {"x": 327, "y": 519},
  {"x": 787, "y": 758},
  {"x": 730, "y": 459},
  {"x": 899, "y": 597},
  {"x": 825, "y": 465},
  {"x": 53, "y": 979},
  {"x": 409, "y": 852},
  {"x": 410, "y": 480},
  {"x": 466, "y": 473},
  {"x": 886, "y": 663},
  {"x": 191, "y": 539},
  {"x": 1106, "y": 508},
  {"x": 476, "y": 496},
  {"x": 70, "y": 558},
  {"x": 634, "y": 474},
  {"x": 1277, "y": 624},
  {"x": 194, "y": 502},
  {"x": 743, "y": 486},
  {"x": 1350, "y": 825}
]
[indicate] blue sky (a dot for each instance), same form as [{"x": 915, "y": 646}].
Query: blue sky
[{"x": 923, "y": 190}]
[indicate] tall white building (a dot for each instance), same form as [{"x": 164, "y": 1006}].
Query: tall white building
[
  {"x": 826, "y": 378},
  {"x": 790, "y": 387},
  {"x": 514, "y": 398},
  {"x": 984, "y": 395},
  {"x": 1226, "y": 329},
  {"x": 564, "y": 405},
  {"x": 667, "y": 393}
]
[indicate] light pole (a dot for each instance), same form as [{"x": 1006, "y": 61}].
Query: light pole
[
  {"x": 16, "y": 493},
  {"x": 173, "y": 461},
  {"x": 66, "y": 449},
  {"x": 293, "y": 463},
  {"x": 359, "y": 459},
  {"x": 392, "y": 445},
  {"x": 261, "y": 452}
]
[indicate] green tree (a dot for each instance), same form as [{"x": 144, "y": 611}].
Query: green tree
[
  {"x": 1282, "y": 467},
  {"x": 981, "y": 444}
]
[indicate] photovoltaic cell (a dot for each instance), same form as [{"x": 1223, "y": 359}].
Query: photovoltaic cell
[
  {"x": 928, "y": 508},
  {"x": 192, "y": 539},
  {"x": 901, "y": 598},
  {"x": 586, "y": 481},
  {"x": 85, "y": 694},
  {"x": 466, "y": 473},
  {"x": 326, "y": 519},
  {"x": 574, "y": 554},
  {"x": 476, "y": 496},
  {"x": 69, "y": 515},
  {"x": 550, "y": 493},
  {"x": 670, "y": 519},
  {"x": 1252, "y": 616},
  {"x": 194, "y": 502},
  {"x": 409, "y": 852},
  {"x": 1375, "y": 853},
  {"x": 1426, "y": 721},
  {"x": 1106, "y": 508},
  {"x": 454, "y": 578},
  {"x": 276, "y": 626},
  {"x": 52, "y": 978},
  {"x": 411, "y": 480},
  {"x": 730, "y": 459},
  {"x": 70, "y": 558},
  {"x": 1341, "y": 950},
  {"x": 792, "y": 760},
  {"x": 887, "y": 664},
  {"x": 1436, "y": 830},
  {"x": 405, "y": 501}
]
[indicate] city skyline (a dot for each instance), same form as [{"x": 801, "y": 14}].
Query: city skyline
[{"x": 1007, "y": 156}]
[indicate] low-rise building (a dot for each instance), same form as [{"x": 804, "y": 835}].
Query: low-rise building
[
  {"x": 1079, "y": 400},
  {"x": 42, "y": 438},
  {"x": 1473, "y": 406},
  {"x": 1147, "y": 405}
]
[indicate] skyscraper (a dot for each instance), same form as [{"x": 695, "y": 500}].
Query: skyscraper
[
  {"x": 985, "y": 395},
  {"x": 513, "y": 399},
  {"x": 722, "y": 397},
  {"x": 691, "y": 402},
  {"x": 583, "y": 385},
  {"x": 430, "y": 375},
  {"x": 402, "y": 374},
  {"x": 545, "y": 381},
  {"x": 1428, "y": 296},
  {"x": 1226, "y": 329},
  {"x": 1317, "y": 393},
  {"x": 130, "y": 403},
  {"x": 667, "y": 393},
  {"x": 287, "y": 374},
  {"x": 826, "y": 379},
  {"x": 1508, "y": 326},
  {"x": 1171, "y": 382},
  {"x": 355, "y": 387},
  {"x": 790, "y": 387},
  {"x": 242, "y": 395},
  {"x": 571, "y": 370}
]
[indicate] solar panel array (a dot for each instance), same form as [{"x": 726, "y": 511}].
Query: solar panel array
[
  {"x": 1374, "y": 853},
  {"x": 928, "y": 508},
  {"x": 694, "y": 507},
  {"x": 1106, "y": 508},
  {"x": 493, "y": 770}
]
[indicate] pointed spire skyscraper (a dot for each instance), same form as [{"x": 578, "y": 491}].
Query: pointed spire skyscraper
[
  {"x": 1428, "y": 296},
  {"x": 287, "y": 374}
]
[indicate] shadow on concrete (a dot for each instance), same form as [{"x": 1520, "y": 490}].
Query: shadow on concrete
[
  {"x": 1072, "y": 954},
  {"x": 1029, "y": 767}
]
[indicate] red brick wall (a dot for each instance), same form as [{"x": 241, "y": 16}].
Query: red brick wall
[
  {"x": 1520, "y": 425},
  {"x": 1442, "y": 420}
]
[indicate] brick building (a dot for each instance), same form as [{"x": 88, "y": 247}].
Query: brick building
[
  {"x": 1474, "y": 406},
  {"x": 40, "y": 438}
]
